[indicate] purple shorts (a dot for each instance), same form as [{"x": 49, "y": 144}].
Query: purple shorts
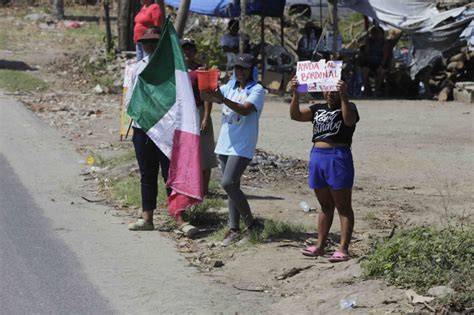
[{"x": 332, "y": 167}]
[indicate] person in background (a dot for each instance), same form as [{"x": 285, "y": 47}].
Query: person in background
[
  {"x": 376, "y": 57},
  {"x": 242, "y": 98},
  {"x": 149, "y": 156},
  {"x": 208, "y": 158},
  {"x": 331, "y": 169},
  {"x": 308, "y": 42},
  {"x": 230, "y": 42},
  {"x": 150, "y": 15}
]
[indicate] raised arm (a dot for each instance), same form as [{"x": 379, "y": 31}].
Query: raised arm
[
  {"x": 296, "y": 113},
  {"x": 349, "y": 115}
]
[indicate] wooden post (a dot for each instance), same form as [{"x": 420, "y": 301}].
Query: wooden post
[
  {"x": 262, "y": 36},
  {"x": 107, "y": 25},
  {"x": 282, "y": 30},
  {"x": 243, "y": 13},
  {"x": 182, "y": 17}
]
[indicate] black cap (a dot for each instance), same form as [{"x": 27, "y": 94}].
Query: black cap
[
  {"x": 244, "y": 60},
  {"x": 187, "y": 41}
]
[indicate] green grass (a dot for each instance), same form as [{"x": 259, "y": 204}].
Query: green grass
[
  {"x": 3, "y": 41},
  {"x": 425, "y": 257},
  {"x": 273, "y": 230},
  {"x": 89, "y": 31},
  {"x": 17, "y": 81}
]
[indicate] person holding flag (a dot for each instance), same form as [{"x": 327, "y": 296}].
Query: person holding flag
[
  {"x": 166, "y": 128},
  {"x": 242, "y": 98}
]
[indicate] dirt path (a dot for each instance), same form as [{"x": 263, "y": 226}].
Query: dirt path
[{"x": 414, "y": 166}]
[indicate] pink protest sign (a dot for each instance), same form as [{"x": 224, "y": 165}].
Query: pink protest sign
[{"x": 318, "y": 76}]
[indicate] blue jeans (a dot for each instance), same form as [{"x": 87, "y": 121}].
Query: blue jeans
[{"x": 139, "y": 50}]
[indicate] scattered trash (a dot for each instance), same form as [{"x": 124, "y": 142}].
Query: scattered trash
[
  {"x": 90, "y": 160},
  {"x": 348, "y": 303},
  {"x": 304, "y": 206},
  {"x": 416, "y": 298},
  {"x": 73, "y": 24}
]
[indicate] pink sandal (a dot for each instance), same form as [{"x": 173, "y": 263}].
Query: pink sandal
[
  {"x": 312, "y": 251},
  {"x": 339, "y": 256}
]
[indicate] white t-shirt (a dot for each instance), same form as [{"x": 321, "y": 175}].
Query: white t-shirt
[{"x": 136, "y": 70}]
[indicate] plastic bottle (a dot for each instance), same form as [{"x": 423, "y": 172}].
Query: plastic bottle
[
  {"x": 348, "y": 303},
  {"x": 304, "y": 206}
]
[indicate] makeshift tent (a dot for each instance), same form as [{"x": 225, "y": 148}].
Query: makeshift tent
[
  {"x": 433, "y": 31},
  {"x": 231, "y": 8}
]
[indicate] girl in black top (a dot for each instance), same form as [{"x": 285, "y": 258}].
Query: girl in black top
[{"x": 331, "y": 169}]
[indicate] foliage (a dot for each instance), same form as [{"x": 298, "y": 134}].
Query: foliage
[
  {"x": 13, "y": 81},
  {"x": 425, "y": 257},
  {"x": 126, "y": 189},
  {"x": 210, "y": 51}
]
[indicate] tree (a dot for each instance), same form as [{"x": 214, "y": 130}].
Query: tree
[{"x": 58, "y": 9}]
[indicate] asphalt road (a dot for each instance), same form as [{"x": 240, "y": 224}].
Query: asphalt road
[
  {"x": 39, "y": 273},
  {"x": 62, "y": 255}
]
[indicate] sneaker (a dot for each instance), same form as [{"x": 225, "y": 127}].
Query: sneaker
[
  {"x": 230, "y": 237},
  {"x": 141, "y": 225}
]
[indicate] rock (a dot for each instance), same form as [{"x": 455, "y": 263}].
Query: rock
[
  {"x": 218, "y": 264},
  {"x": 98, "y": 89},
  {"x": 182, "y": 244},
  {"x": 440, "y": 291},
  {"x": 37, "y": 17}
]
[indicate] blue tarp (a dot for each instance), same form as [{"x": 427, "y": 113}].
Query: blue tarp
[{"x": 231, "y": 8}]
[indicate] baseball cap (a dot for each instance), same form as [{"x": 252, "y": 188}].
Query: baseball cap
[{"x": 244, "y": 60}]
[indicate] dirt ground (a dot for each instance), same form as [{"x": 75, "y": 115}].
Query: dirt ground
[{"x": 414, "y": 166}]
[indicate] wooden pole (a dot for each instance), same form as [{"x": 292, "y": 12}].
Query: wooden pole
[
  {"x": 282, "y": 30},
  {"x": 321, "y": 13},
  {"x": 334, "y": 30},
  {"x": 183, "y": 13},
  {"x": 262, "y": 36},
  {"x": 243, "y": 13},
  {"x": 107, "y": 25}
]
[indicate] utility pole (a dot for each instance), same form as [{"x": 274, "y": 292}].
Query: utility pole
[
  {"x": 243, "y": 15},
  {"x": 332, "y": 6},
  {"x": 182, "y": 17}
]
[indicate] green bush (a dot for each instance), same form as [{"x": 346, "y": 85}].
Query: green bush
[{"x": 426, "y": 257}]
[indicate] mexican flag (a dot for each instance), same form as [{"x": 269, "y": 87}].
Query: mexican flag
[{"x": 163, "y": 105}]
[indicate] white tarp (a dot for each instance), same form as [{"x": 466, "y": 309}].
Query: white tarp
[
  {"x": 406, "y": 15},
  {"x": 433, "y": 31}
]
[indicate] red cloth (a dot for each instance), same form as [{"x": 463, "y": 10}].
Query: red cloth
[{"x": 147, "y": 17}]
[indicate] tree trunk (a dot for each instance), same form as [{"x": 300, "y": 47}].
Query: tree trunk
[
  {"x": 182, "y": 17},
  {"x": 161, "y": 4},
  {"x": 107, "y": 25},
  {"x": 58, "y": 9},
  {"x": 127, "y": 9}
]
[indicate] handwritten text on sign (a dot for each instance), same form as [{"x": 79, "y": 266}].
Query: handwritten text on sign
[{"x": 320, "y": 75}]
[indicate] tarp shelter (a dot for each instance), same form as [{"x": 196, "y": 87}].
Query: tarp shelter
[
  {"x": 231, "y": 8},
  {"x": 433, "y": 31}
]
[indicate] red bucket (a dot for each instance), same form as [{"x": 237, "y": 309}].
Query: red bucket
[{"x": 208, "y": 80}]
